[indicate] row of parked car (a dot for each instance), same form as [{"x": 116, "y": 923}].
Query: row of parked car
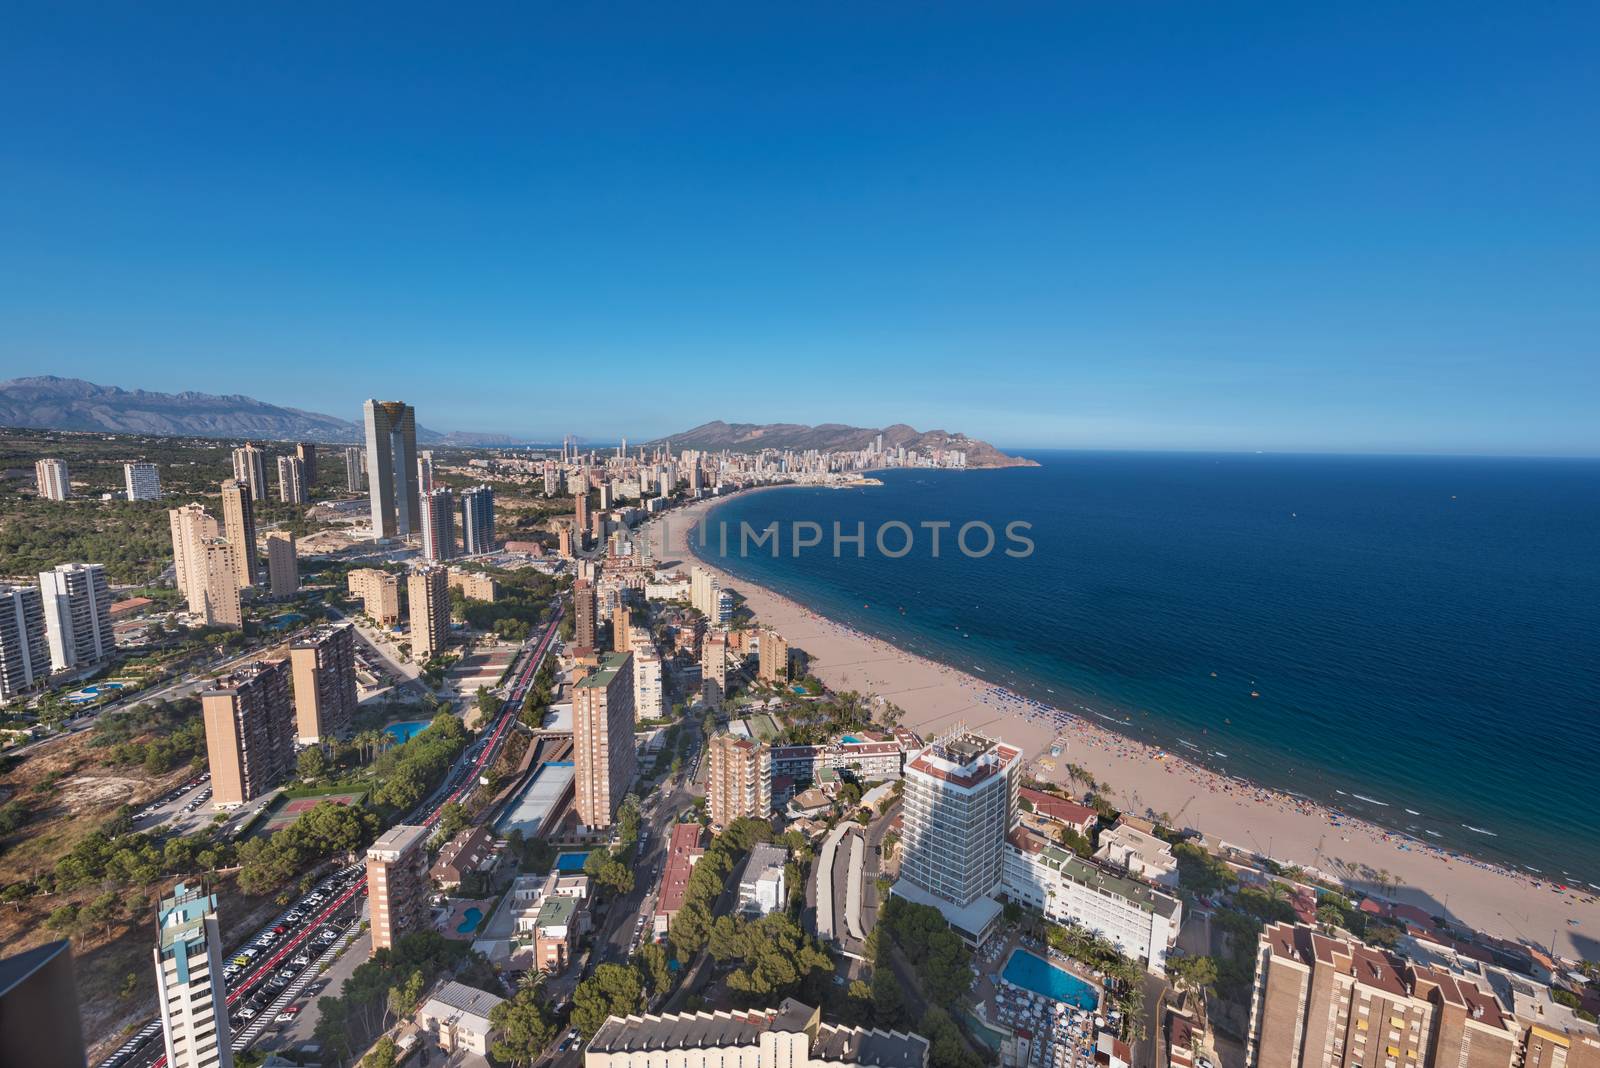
[{"x": 176, "y": 792}]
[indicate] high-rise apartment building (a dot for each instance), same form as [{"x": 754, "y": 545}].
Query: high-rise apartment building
[
  {"x": 216, "y": 598},
  {"x": 190, "y": 991},
  {"x": 583, "y": 613},
  {"x": 649, "y": 701},
  {"x": 397, "y": 884},
  {"x": 324, "y": 668},
  {"x": 739, "y": 780},
  {"x": 24, "y": 650},
  {"x": 960, "y": 800},
  {"x": 77, "y": 615},
  {"x": 239, "y": 527},
  {"x": 773, "y": 650},
  {"x": 143, "y": 481},
  {"x": 355, "y": 470},
  {"x": 39, "y": 1019},
  {"x": 1335, "y": 1002},
  {"x": 714, "y": 669},
  {"x": 552, "y": 479},
  {"x": 703, "y": 590},
  {"x": 580, "y": 513},
  {"x": 621, "y": 624},
  {"x": 51, "y": 478},
  {"x": 191, "y": 526},
  {"x": 250, "y": 468},
  {"x": 250, "y": 730},
  {"x": 307, "y": 453},
  {"x": 379, "y": 592},
  {"x": 439, "y": 524},
  {"x": 477, "y": 520},
  {"x": 283, "y": 569},
  {"x": 428, "y": 590},
  {"x": 425, "y": 472},
  {"x": 602, "y": 738},
  {"x": 392, "y": 468},
  {"x": 293, "y": 488}
]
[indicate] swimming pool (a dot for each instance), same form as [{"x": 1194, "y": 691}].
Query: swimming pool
[
  {"x": 571, "y": 862},
  {"x": 470, "y": 920},
  {"x": 849, "y": 739},
  {"x": 403, "y": 732},
  {"x": 1032, "y": 972}
]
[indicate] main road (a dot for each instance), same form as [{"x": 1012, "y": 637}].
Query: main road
[{"x": 334, "y": 904}]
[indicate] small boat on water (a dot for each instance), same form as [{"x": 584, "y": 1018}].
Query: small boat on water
[{"x": 1255, "y": 693}]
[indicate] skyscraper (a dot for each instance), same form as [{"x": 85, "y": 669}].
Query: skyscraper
[
  {"x": 428, "y": 589},
  {"x": 191, "y": 526},
  {"x": 324, "y": 667},
  {"x": 397, "y": 884},
  {"x": 583, "y": 613},
  {"x": 392, "y": 467},
  {"x": 307, "y": 452},
  {"x": 355, "y": 470},
  {"x": 250, "y": 730},
  {"x": 425, "y": 472},
  {"x": 283, "y": 569},
  {"x": 250, "y": 468},
  {"x": 239, "y": 527},
  {"x": 774, "y": 653},
  {"x": 552, "y": 479},
  {"x": 143, "y": 481},
  {"x": 292, "y": 485},
  {"x": 219, "y": 602},
  {"x": 714, "y": 669},
  {"x": 51, "y": 478},
  {"x": 602, "y": 737},
  {"x": 621, "y": 624},
  {"x": 648, "y": 698},
  {"x": 379, "y": 592},
  {"x": 439, "y": 524},
  {"x": 960, "y": 800},
  {"x": 189, "y": 985},
  {"x": 703, "y": 590},
  {"x": 477, "y": 520},
  {"x": 77, "y": 615},
  {"x": 580, "y": 513},
  {"x": 739, "y": 780},
  {"x": 24, "y": 651}
]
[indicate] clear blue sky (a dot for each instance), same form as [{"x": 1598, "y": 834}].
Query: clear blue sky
[{"x": 1373, "y": 226}]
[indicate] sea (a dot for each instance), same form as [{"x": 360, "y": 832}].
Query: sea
[{"x": 1411, "y": 640}]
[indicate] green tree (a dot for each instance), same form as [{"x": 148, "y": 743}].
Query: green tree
[
  {"x": 525, "y": 1028},
  {"x": 384, "y": 1054},
  {"x": 312, "y": 764},
  {"x": 654, "y": 968},
  {"x": 1193, "y": 973},
  {"x": 613, "y": 990}
]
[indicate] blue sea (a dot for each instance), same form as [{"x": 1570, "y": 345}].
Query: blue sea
[{"x": 1423, "y": 633}]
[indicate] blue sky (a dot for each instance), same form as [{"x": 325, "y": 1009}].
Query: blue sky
[{"x": 1365, "y": 227}]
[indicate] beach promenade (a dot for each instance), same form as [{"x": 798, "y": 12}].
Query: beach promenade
[{"x": 1145, "y": 780}]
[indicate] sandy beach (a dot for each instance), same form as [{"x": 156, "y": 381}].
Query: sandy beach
[{"x": 1146, "y": 780}]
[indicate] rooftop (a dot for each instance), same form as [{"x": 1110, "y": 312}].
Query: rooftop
[
  {"x": 557, "y": 911},
  {"x": 396, "y": 840},
  {"x": 1092, "y": 875},
  {"x": 601, "y": 677}
]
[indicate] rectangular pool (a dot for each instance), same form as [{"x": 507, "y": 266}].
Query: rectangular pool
[
  {"x": 571, "y": 862},
  {"x": 1033, "y": 972}
]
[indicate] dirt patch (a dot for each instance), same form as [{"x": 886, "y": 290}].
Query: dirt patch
[{"x": 84, "y": 793}]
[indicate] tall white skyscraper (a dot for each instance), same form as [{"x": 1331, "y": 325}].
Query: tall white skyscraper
[
  {"x": 439, "y": 524},
  {"x": 77, "y": 615},
  {"x": 425, "y": 472},
  {"x": 189, "y": 988},
  {"x": 51, "y": 477},
  {"x": 24, "y": 652},
  {"x": 960, "y": 800},
  {"x": 477, "y": 520},
  {"x": 250, "y": 468},
  {"x": 292, "y": 485},
  {"x": 392, "y": 468},
  {"x": 143, "y": 481}
]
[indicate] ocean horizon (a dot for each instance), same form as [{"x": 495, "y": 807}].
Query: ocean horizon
[{"x": 1408, "y": 639}]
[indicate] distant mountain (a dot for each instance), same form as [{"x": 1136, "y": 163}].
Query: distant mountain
[
  {"x": 46, "y": 402},
  {"x": 835, "y": 437}
]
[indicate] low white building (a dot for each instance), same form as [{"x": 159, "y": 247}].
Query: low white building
[
  {"x": 789, "y": 1036},
  {"x": 1128, "y": 845},
  {"x": 457, "y": 1017},
  {"x": 763, "y": 888},
  {"x": 1141, "y": 921}
]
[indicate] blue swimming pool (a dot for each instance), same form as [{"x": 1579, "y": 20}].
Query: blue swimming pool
[
  {"x": 402, "y": 732},
  {"x": 849, "y": 739},
  {"x": 1032, "y": 972},
  {"x": 470, "y": 920},
  {"x": 571, "y": 862}
]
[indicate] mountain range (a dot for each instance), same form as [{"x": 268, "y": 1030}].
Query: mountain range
[
  {"x": 835, "y": 437},
  {"x": 46, "y": 402}
]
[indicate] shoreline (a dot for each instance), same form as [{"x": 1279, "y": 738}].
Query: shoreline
[{"x": 1145, "y": 778}]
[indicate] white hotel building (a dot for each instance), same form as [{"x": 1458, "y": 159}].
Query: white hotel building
[{"x": 1140, "y": 920}]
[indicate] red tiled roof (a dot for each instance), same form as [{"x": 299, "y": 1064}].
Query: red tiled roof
[
  {"x": 682, "y": 850},
  {"x": 1059, "y": 808}
]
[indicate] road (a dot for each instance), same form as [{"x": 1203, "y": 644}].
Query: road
[{"x": 332, "y": 908}]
